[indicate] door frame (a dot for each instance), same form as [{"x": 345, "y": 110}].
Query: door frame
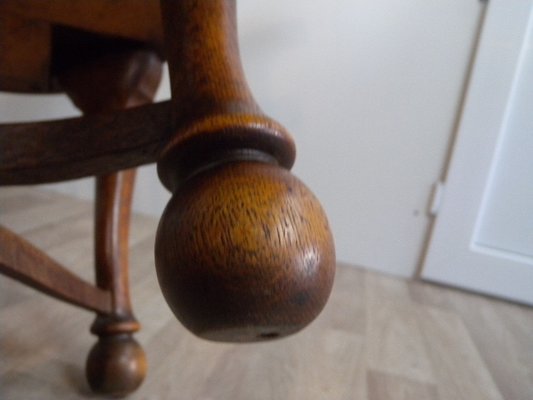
[{"x": 494, "y": 76}]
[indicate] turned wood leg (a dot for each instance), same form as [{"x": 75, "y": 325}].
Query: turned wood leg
[
  {"x": 243, "y": 250},
  {"x": 116, "y": 364}
]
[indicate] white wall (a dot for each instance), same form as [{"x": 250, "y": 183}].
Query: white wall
[{"x": 370, "y": 91}]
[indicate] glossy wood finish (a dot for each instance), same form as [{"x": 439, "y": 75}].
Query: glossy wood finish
[
  {"x": 38, "y": 152},
  {"x": 113, "y": 197},
  {"x": 215, "y": 117},
  {"x": 131, "y": 19},
  {"x": 360, "y": 347},
  {"x": 116, "y": 364},
  {"x": 102, "y": 84},
  {"x": 243, "y": 250},
  {"x": 253, "y": 255},
  {"x": 29, "y": 30}
]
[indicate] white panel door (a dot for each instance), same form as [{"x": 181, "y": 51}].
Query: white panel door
[{"x": 482, "y": 238}]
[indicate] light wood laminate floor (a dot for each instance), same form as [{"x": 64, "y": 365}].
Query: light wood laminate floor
[{"x": 379, "y": 337}]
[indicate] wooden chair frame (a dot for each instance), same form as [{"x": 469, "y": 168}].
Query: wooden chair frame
[{"x": 211, "y": 135}]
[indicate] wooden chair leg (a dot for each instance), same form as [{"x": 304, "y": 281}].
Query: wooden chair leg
[
  {"x": 243, "y": 251},
  {"x": 116, "y": 365}
]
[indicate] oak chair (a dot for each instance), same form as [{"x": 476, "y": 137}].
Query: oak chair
[{"x": 243, "y": 249}]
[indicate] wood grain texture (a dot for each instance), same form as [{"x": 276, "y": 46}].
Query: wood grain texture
[
  {"x": 254, "y": 255},
  {"x": 243, "y": 249},
  {"x": 215, "y": 116},
  {"x": 464, "y": 336}
]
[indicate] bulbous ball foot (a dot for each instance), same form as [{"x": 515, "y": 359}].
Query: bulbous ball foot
[
  {"x": 244, "y": 253},
  {"x": 116, "y": 365}
]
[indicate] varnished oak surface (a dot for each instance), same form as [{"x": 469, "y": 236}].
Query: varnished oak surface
[{"x": 378, "y": 337}]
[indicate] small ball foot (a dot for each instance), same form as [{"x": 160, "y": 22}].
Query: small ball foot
[{"x": 116, "y": 365}]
